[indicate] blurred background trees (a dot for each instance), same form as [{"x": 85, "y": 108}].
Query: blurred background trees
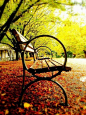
[{"x": 64, "y": 19}]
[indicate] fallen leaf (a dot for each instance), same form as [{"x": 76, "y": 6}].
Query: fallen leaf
[
  {"x": 6, "y": 112},
  {"x": 27, "y": 105},
  {"x": 3, "y": 94}
]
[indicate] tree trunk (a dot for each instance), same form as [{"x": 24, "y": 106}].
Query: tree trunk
[
  {"x": 31, "y": 54},
  {"x": 84, "y": 53},
  {"x": 16, "y": 55}
]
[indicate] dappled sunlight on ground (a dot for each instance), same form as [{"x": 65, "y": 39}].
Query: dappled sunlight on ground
[{"x": 43, "y": 98}]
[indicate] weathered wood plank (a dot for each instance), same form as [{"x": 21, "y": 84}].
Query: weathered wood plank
[
  {"x": 50, "y": 63},
  {"x": 44, "y": 64},
  {"x": 37, "y": 64},
  {"x": 21, "y": 39},
  {"x": 55, "y": 63}
]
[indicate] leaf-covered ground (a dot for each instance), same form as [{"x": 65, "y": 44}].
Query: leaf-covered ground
[{"x": 43, "y": 98}]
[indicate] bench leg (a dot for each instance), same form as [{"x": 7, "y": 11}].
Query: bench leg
[
  {"x": 23, "y": 78},
  {"x": 24, "y": 88},
  {"x": 22, "y": 55},
  {"x": 66, "y": 100}
]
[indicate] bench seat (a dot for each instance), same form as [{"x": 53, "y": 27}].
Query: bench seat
[{"x": 46, "y": 65}]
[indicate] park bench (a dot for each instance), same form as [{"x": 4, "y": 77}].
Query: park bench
[{"x": 41, "y": 64}]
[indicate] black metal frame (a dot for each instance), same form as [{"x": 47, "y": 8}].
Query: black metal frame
[
  {"x": 24, "y": 87},
  {"x": 38, "y": 48}
]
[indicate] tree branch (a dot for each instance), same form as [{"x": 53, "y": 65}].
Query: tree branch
[
  {"x": 11, "y": 17},
  {"x": 17, "y": 17},
  {"x": 28, "y": 21},
  {"x": 5, "y": 27},
  {"x": 9, "y": 38},
  {"x": 2, "y": 7}
]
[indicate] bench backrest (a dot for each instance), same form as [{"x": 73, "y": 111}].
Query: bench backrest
[{"x": 20, "y": 38}]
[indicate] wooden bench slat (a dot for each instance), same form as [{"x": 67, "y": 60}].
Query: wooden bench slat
[
  {"x": 37, "y": 64},
  {"x": 21, "y": 39},
  {"x": 40, "y": 64},
  {"x": 56, "y": 63},
  {"x": 44, "y": 64},
  {"x": 50, "y": 63}
]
